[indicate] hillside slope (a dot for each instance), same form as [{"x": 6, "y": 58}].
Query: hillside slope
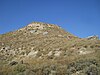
[{"x": 46, "y": 49}]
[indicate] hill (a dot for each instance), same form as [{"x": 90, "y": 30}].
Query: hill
[{"x": 46, "y": 49}]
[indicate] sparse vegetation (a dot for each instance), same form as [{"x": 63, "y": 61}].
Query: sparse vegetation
[{"x": 55, "y": 53}]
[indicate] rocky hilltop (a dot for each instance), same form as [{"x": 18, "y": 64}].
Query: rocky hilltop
[{"x": 46, "y": 49}]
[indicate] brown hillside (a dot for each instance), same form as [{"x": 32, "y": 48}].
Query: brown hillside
[{"x": 46, "y": 49}]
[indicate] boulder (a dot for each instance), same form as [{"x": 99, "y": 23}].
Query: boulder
[
  {"x": 45, "y": 33},
  {"x": 13, "y": 63}
]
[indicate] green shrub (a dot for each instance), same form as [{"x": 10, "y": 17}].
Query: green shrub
[{"x": 20, "y": 68}]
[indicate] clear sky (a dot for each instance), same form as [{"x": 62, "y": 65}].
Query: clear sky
[{"x": 79, "y": 17}]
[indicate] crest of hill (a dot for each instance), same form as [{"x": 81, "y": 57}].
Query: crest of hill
[
  {"x": 38, "y": 25},
  {"x": 41, "y": 29}
]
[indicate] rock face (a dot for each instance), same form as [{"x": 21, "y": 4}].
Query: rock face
[
  {"x": 46, "y": 49},
  {"x": 93, "y": 37}
]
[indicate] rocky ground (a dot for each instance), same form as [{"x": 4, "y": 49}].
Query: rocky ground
[{"x": 46, "y": 49}]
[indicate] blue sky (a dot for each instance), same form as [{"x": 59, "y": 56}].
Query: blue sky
[{"x": 79, "y": 17}]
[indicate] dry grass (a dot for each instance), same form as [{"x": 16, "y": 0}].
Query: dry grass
[{"x": 22, "y": 42}]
